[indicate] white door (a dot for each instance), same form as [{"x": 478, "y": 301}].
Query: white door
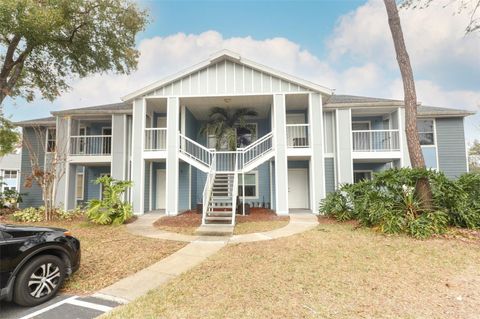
[
  {"x": 160, "y": 196},
  {"x": 298, "y": 188}
]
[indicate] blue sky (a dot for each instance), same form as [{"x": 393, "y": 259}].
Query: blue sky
[{"x": 344, "y": 45}]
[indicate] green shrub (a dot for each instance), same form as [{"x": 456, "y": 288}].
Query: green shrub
[
  {"x": 111, "y": 209},
  {"x": 30, "y": 214},
  {"x": 389, "y": 203},
  {"x": 69, "y": 214}
]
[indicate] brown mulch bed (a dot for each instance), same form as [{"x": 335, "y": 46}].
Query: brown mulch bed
[{"x": 189, "y": 221}]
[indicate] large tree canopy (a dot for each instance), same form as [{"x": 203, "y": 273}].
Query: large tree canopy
[{"x": 45, "y": 42}]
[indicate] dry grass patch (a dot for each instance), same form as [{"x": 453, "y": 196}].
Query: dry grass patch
[
  {"x": 333, "y": 271},
  {"x": 259, "y": 220},
  {"x": 110, "y": 253}
]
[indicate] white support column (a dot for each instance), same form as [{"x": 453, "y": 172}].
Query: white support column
[
  {"x": 70, "y": 179},
  {"x": 344, "y": 146},
  {"x": 171, "y": 197},
  {"x": 405, "y": 160},
  {"x": 281, "y": 167},
  {"x": 62, "y": 147},
  {"x": 317, "y": 162},
  {"x": 138, "y": 164},
  {"x": 119, "y": 146}
]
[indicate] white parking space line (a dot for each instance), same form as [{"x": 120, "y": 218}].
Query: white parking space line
[
  {"x": 55, "y": 305},
  {"x": 90, "y": 305}
]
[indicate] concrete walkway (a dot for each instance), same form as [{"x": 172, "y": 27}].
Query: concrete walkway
[{"x": 198, "y": 249}]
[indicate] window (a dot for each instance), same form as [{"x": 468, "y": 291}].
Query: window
[
  {"x": 51, "y": 140},
  {"x": 361, "y": 175},
  {"x": 246, "y": 135},
  {"x": 79, "y": 186},
  {"x": 251, "y": 182},
  {"x": 426, "y": 132},
  {"x": 10, "y": 174}
]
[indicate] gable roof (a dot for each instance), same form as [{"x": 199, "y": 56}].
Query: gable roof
[{"x": 226, "y": 82}]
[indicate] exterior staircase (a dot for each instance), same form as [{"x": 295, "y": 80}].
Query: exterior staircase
[
  {"x": 219, "y": 209},
  {"x": 222, "y": 168}
]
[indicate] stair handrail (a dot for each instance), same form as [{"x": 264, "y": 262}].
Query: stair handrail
[
  {"x": 235, "y": 191},
  {"x": 203, "y": 150},
  {"x": 244, "y": 151},
  {"x": 207, "y": 190}
]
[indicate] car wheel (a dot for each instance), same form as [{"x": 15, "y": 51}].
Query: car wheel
[{"x": 39, "y": 280}]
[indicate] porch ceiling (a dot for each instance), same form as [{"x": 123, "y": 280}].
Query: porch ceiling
[{"x": 200, "y": 106}]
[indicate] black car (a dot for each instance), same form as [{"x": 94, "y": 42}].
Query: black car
[{"x": 34, "y": 261}]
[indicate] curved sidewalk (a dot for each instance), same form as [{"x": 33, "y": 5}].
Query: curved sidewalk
[
  {"x": 299, "y": 222},
  {"x": 198, "y": 249}
]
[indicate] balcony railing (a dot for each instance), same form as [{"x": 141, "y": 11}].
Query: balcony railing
[
  {"x": 91, "y": 145},
  {"x": 376, "y": 141},
  {"x": 297, "y": 135},
  {"x": 155, "y": 139}
]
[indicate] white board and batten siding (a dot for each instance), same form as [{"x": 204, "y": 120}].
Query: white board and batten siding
[{"x": 227, "y": 78}]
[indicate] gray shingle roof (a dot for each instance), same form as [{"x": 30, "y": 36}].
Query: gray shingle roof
[
  {"x": 342, "y": 99},
  {"x": 422, "y": 110},
  {"x": 96, "y": 109},
  {"x": 40, "y": 122}
]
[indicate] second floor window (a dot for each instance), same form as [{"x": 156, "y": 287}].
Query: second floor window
[
  {"x": 10, "y": 174},
  {"x": 51, "y": 140},
  {"x": 426, "y": 132}
]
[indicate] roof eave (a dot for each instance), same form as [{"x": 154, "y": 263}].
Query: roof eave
[{"x": 91, "y": 112}]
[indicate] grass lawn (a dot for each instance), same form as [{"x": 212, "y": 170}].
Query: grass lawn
[
  {"x": 110, "y": 253},
  {"x": 259, "y": 220},
  {"x": 333, "y": 271}
]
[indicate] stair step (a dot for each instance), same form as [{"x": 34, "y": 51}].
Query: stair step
[
  {"x": 218, "y": 218},
  {"x": 219, "y": 214}
]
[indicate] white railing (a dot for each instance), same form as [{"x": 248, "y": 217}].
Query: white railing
[
  {"x": 91, "y": 145},
  {"x": 207, "y": 190},
  {"x": 235, "y": 191},
  {"x": 195, "y": 150},
  {"x": 226, "y": 161},
  {"x": 155, "y": 139},
  {"x": 256, "y": 149},
  {"x": 297, "y": 135},
  {"x": 375, "y": 141}
]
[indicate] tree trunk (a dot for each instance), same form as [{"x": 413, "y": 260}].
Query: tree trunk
[{"x": 423, "y": 188}]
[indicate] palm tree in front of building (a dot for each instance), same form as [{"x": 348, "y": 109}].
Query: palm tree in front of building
[{"x": 222, "y": 124}]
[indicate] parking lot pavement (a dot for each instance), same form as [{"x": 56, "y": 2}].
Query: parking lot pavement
[{"x": 62, "y": 306}]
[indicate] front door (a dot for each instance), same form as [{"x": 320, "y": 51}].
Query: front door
[
  {"x": 298, "y": 188},
  {"x": 160, "y": 193}
]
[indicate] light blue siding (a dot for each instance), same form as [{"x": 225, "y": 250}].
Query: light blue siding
[
  {"x": 430, "y": 156},
  {"x": 92, "y": 191},
  {"x": 36, "y": 138},
  {"x": 451, "y": 146},
  {"x": 183, "y": 187},
  {"x": 329, "y": 174}
]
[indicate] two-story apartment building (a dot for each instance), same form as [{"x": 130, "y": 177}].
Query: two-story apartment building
[{"x": 303, "y": 142}]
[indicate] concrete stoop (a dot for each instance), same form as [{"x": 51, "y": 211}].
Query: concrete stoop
[{"x": 215, "y": 230}]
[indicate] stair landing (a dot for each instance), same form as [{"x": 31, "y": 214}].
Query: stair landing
[{"x": 214, "y": 230}]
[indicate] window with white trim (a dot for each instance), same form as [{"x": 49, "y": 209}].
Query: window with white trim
[
  {"x": 10, "y": 174},
  {"x": 251, "y": 185},
  {"x": 426, "y": 132},
  {"x": 79, "y": 186},
  {"x": 51, "y": 140}
]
